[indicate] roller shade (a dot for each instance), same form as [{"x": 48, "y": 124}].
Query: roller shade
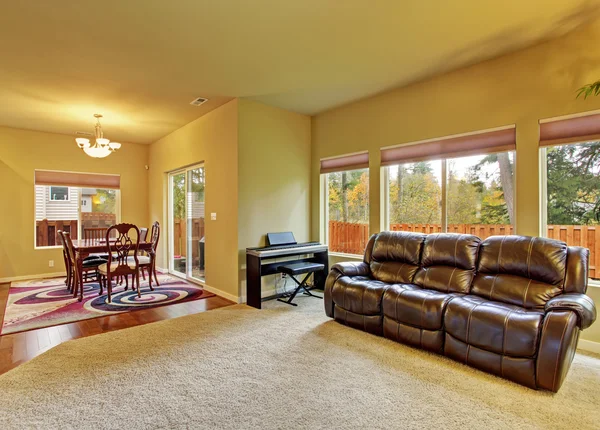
[
  {"x": 74, "y": 179},
  {"x": 451, "y": 147},
  {"x": 346, "y": 162},
  {"x": 580, "y": 129}
]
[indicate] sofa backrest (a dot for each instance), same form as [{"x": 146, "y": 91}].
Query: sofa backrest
[
  {"x": 520, "y": 270},
  {"x": 396, "y": 256},
  {"x": 448, "y": 262},
  {"x": 369, "y": 249}
]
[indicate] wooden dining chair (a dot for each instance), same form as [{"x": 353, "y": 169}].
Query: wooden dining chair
[
  {"x": 143, "y": 237},
  {"x": 148, "y": 262},
  {"x": 143, "y": 234},
  {"x": 94, "y": 233},
  {"x": 89, "y": 266},
  {"x": 122, "y": 258},
  {"x": 66, "y": 259}
]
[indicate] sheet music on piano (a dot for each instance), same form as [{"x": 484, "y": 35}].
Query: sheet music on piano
[{"x": 281, "y": 244}]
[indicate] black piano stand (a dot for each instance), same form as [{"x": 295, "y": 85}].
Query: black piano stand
[
  {"x": 297, "y": 269},
  {"x": 301, "y": 286},
  {"x": 255, "y": 270}
]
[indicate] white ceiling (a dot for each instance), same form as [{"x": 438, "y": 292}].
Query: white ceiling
[{"x": 140, "y": 62}]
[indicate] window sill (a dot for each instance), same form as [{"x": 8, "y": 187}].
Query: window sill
[
  {"x": 41, "y": 248},
  {"x": 341, "y": 254}
]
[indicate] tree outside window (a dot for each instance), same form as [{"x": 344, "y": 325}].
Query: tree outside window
[
  {"x": 573, "y": 184},
  {"x": 348, "y": 210},
  {"x": 479, "y": 195}
]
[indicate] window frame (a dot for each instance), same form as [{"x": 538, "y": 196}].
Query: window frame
[
  {"x": 324, "y": 213},
  {"x": 50, "y": 199},
  {"x": 385, "y": 190},
  {"x": 543, "y": 184},
  {"x": 79, "y": 223}
]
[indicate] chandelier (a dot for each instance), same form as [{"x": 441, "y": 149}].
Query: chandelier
[{"x": 101, "y": 147}]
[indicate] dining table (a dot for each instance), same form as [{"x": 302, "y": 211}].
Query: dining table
[{"x": 85, "y": 247}]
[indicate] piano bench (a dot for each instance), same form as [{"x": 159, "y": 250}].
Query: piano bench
[
  {"x": 300, "y": 268},
  {"x": 293, "y": 269}
]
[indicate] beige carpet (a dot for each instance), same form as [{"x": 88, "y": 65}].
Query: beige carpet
[{"x": 281, "y": 367}]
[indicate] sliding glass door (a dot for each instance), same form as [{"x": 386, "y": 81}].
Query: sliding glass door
[{"x": 186, "y": 223}]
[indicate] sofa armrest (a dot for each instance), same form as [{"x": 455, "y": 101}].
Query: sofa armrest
[
  {"x": 352, "y": 268},
  {"x": 582, "y": 305}
]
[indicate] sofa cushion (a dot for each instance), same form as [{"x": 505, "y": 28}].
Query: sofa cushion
[
  {"x": 396, "y": 256},
  {"x": 448, "y": 262},
  {"x": 494, "y": 326},
  {"x": 518, "y": 369},
  {"x": 409, "y": 304},
  {"x": 369, "y": 323},
  {"x": 520, "y": 270},
  {"x": 358, "y": 294},
  {"x": 431, "y": 340}
]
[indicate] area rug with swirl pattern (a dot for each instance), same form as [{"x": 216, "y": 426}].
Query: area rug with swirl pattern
[{"x": 46, "y": 302}]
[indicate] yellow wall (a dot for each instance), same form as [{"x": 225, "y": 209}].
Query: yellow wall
[
  {"x": 521, "y": 88},
  {"x": 211, "y": 139},
  {"x": 274, "y": 177},
  {"x": 21, "y": 152}
]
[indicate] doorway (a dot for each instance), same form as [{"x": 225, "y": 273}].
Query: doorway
[{"x": 186, "y": 223}]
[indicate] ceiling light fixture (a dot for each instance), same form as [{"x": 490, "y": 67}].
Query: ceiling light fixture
[{"x": 101, "y": 147}]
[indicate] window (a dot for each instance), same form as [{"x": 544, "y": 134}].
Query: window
[
  {"x": 571, "y": 196},
  {"x": 73, "y": 202},
  {"x": 347, "y": 211},
  {"x": 345, "y": 205},
  {"x": 570, "y": 183},
  {"x": 59, "y": 193},
  {"x": 480, "y": 191},
  {"x": 477, "y": 196},
  {"x": 98, "y": 208},
  {"x": 186, "y": 216},
  {"x": 415, "y": 196},
  {"x": 469, "y": 189}
]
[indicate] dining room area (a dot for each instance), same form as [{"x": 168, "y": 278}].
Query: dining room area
[{"x": 109, "y": 265}]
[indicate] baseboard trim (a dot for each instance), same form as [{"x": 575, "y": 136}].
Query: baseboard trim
[
  {"x": 222, "y": 293},
  {"x": 588, "y": 345},
  {"x": 28, "y": 277},
  {"x": 264, "y": 293},
  {"x": 214, "y": 290}
]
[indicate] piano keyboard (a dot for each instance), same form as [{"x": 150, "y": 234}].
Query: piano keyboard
[{"x": 284, "y": 250}]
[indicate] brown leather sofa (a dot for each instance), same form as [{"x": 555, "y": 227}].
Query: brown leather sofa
[{"x": 509, "y": 305}]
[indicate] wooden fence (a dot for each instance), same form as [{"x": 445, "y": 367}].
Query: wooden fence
[
  {"x": 351, "y": 238},
  {"x": 347, "y": 237},
  {"x": 179, "y": 236},
  {"x": 481, "y": 230},
  {"x": 46, "y": 231}
]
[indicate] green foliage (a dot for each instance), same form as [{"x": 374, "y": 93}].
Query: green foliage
[
  {"x": 493, "y": 206},
  {"x": 476, "y": 198},
  {"x": 197, "y": 185},
  {"x": 349, "y": 196},
  {"x": 415, "y": 195},
  {"x": 589, "y": 89},
  {"x": 464, "y": 200},
  {"x": 574, "y": 184},
  {"x": 105, "y": 201},
  {"x": 179, "y": 196}
]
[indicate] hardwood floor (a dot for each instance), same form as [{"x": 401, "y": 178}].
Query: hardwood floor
[{"x": 18, "y": 348}]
